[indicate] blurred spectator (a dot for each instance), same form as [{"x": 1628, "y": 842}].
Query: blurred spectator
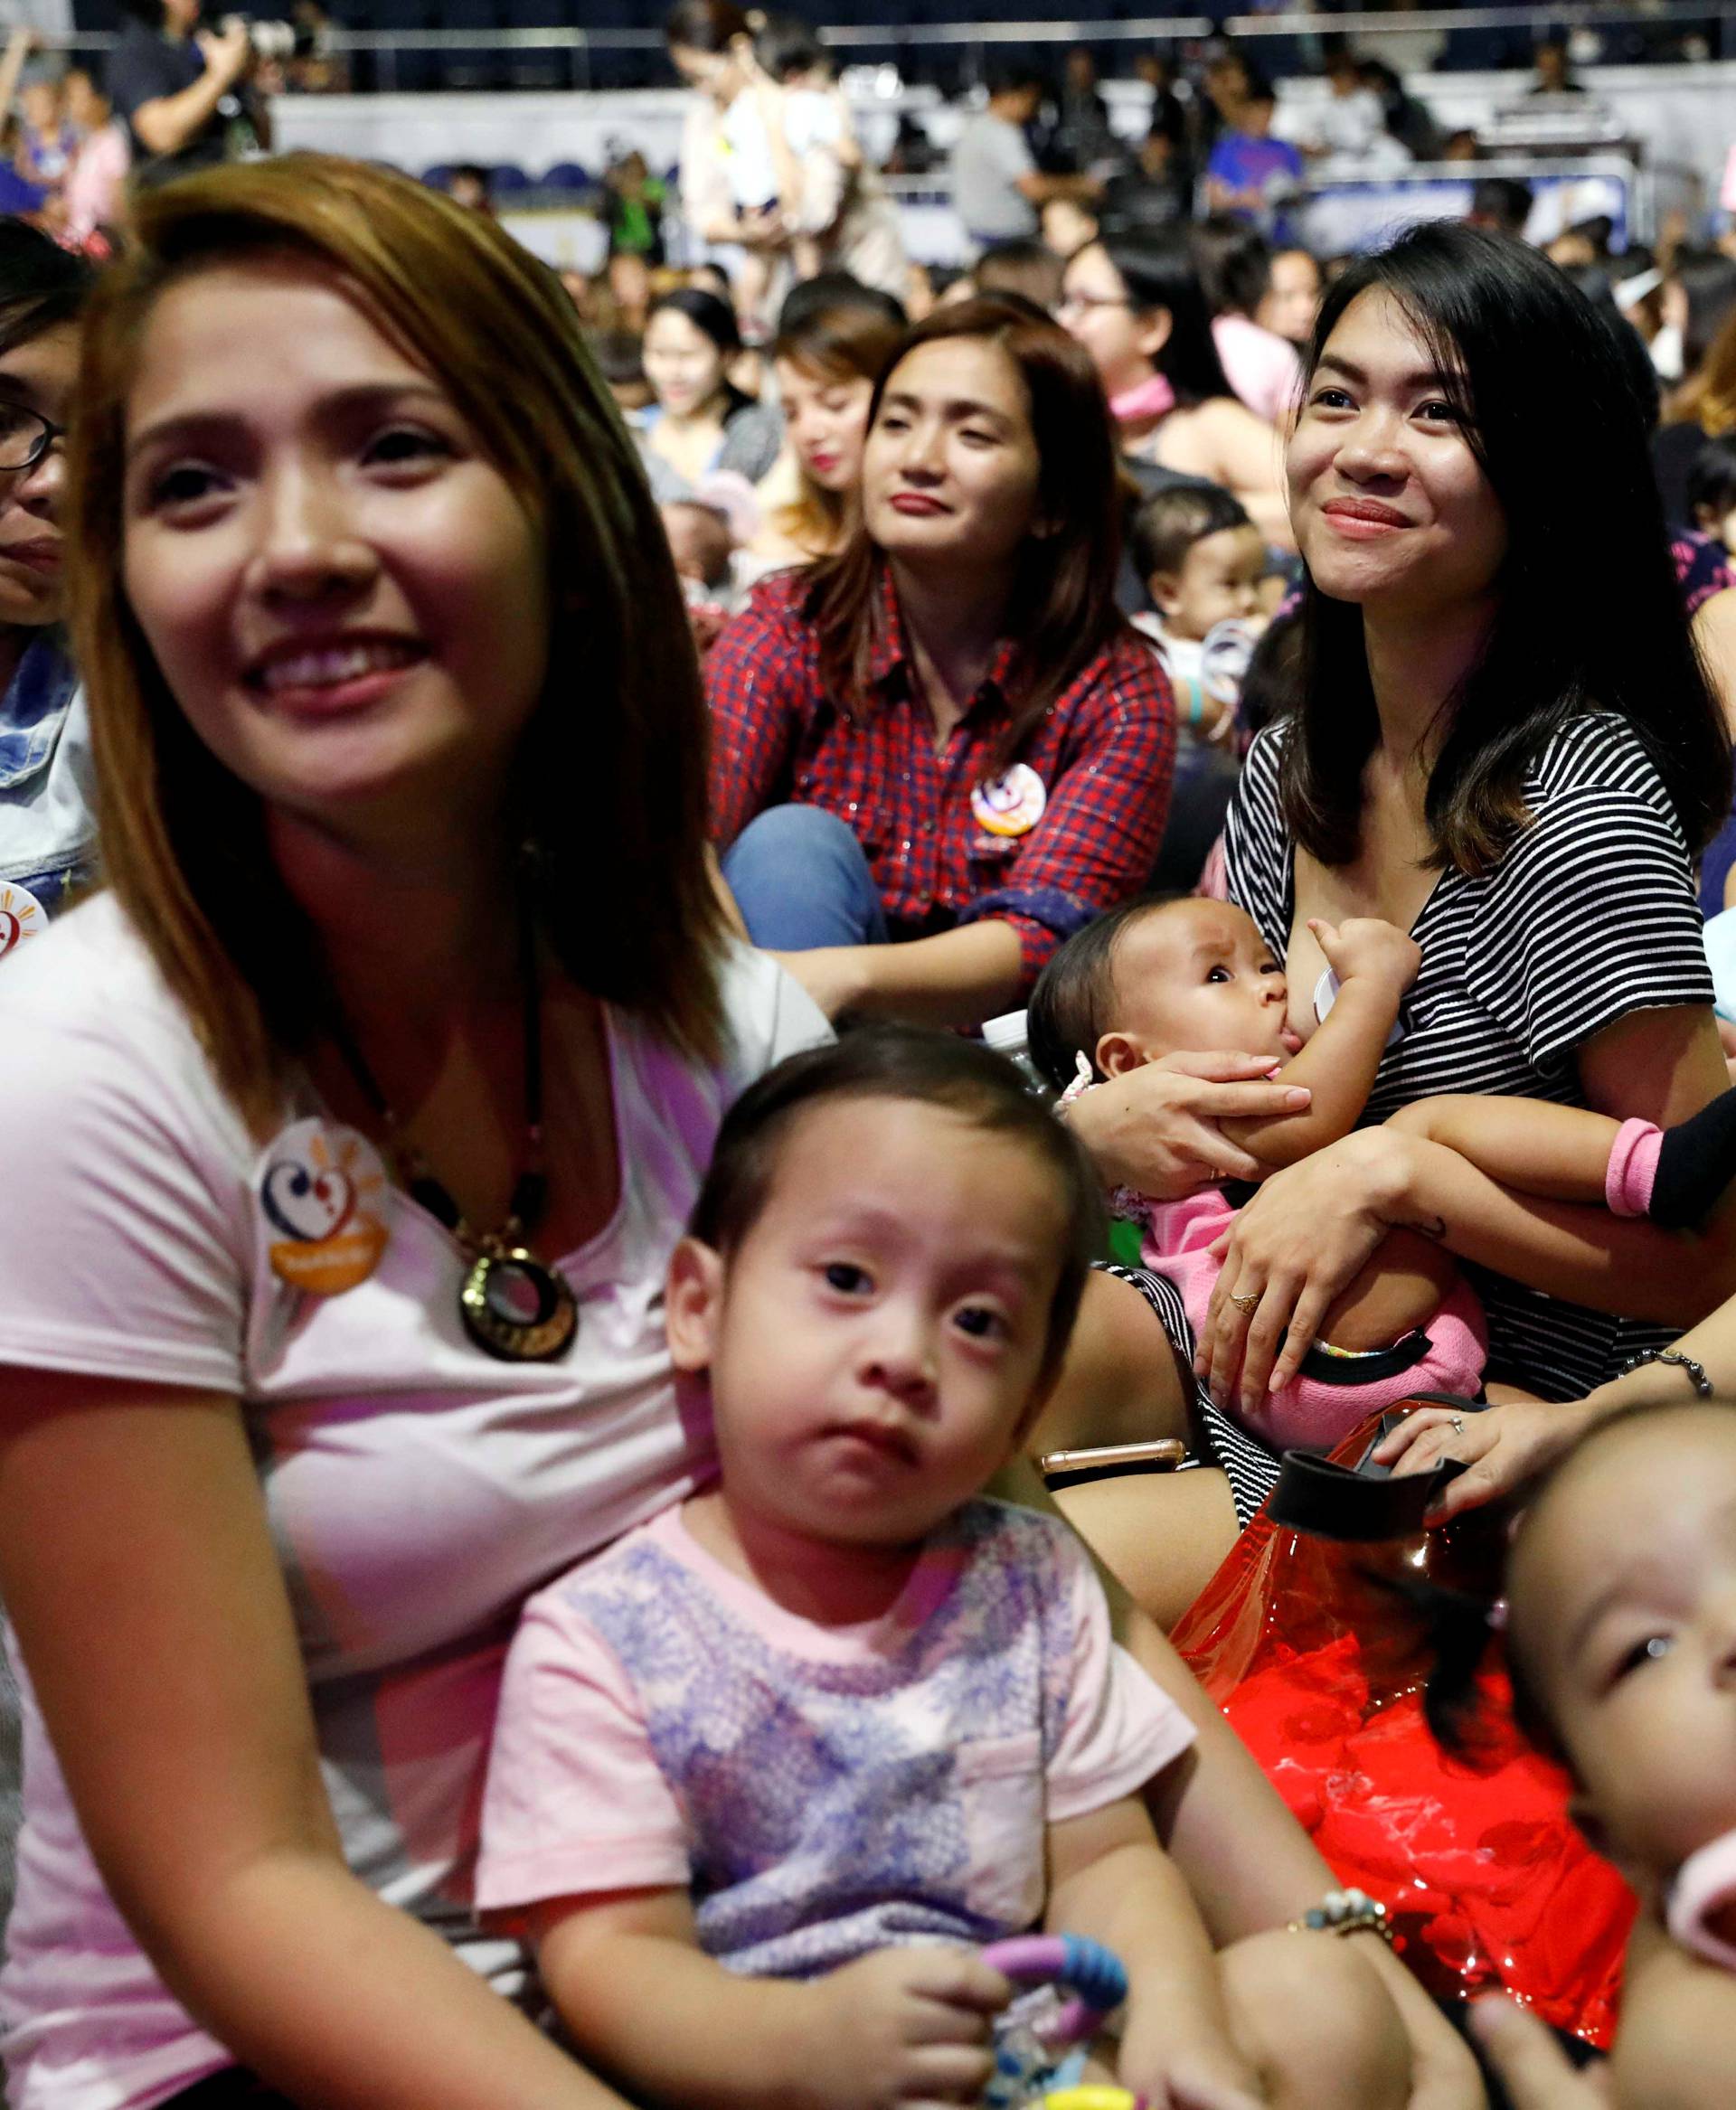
[
  {"x": 1223, "y": 88},
  {"x": 997, "y": 189},
  {"x": 1292, "y": 290},
  {"x": 1702, "y": 408},
  {"x": 1712, "y": 491},
  {"x": 630, "y": 281},
  {"x": 913, "y": 153},
  {"x": 46, "y": 139},
  {"x": 1084, "y": 140},
  {"x": 633, "y": 203},
  {"x": 1698, "y": 292},
  {"x": 1407, "y": 121},
  {"x": 1030, "y": 269},
  {"x": 182, "y": 91},
  {"x": 700, "y": 421},
  {"x": 314, "y": 68},
  {"x": 1155, "y": 190},
  {"x": 734, "y": 166},
  {"x": 1068, "y": 226},
  {"x": 468, "y": 184},
  {"x": 1501, "y": 205},
  {"x": 1461, "y": 146},
  {"x": 1552, "y": 75},
  {"x": 1235, "y": 263},
  {"x": 828, "y": 359},
  {"x": 621, "y": 360},
  {"x": 1248, "y": 172},
  {"x": 1136, "y": 306},
  {"x": 1168, "y": 114},
  {"x": 839, "y": 215},
  {"x": 1637, "y": 286},
  {"x": 1351, "y": 119},
  {"x": 95, "y": 192}
]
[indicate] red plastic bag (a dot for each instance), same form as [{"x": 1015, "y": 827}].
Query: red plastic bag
[{"x": 1320, "y": 1669}]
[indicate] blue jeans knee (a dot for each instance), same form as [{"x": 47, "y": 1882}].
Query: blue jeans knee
[{"x": 801, "y": 879}]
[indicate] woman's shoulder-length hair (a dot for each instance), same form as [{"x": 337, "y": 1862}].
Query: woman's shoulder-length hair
[
  {"x": 1160, "y": 268},
  {"x": 609, "y": 781},
  {"x": 1588, "y": 613},
  {"x": 1062, "y": 610}
]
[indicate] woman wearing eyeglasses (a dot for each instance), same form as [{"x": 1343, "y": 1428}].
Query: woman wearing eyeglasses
[
  {"x": 47, "y": 832},
  {"x": 1136, "y": 306}
]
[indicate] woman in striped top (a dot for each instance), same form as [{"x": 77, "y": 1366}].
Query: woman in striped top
[{"x": 1516, "y": 769}]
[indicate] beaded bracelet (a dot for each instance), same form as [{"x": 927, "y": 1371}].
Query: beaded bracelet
[
  {"x": 1702, "y": 1385},
  {"x": 1345, "y": 1912}
]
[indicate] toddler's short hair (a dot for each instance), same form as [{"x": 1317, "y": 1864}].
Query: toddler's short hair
[
  {"x": 1169, "y": 523},
  {"x": 1071, "y": 1006},
  {"x": 931, "y": 1068}
]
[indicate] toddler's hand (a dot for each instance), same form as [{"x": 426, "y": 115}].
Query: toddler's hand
[
  {"x": 1366, "y": 946},
  {"x": 904, "y": 2026}
]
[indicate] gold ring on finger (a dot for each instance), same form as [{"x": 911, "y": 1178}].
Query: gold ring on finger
[{"x": 1247, "y": 1299}]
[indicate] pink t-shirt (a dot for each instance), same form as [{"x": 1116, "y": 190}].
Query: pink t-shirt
[
  {"x": 1261, "y": 366},
  {"x": 822, "y": 1792}
]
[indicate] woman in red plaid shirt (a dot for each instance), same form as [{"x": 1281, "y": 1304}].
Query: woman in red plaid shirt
[{"x": 942, "y": 750}]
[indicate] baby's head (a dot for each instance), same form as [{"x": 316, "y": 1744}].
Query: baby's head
[
  {"x": 1158, "y": 977},
  {"x": 39, "y": 102},
  {"x": 879, "y": 1281},
  {"x": 1201, "y": 557},
  {"x": 699, "y": 541},
  {"x": 1621, "y": 1631}
]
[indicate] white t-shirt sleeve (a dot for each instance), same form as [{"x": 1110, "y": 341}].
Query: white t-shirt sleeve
[
  {"x": 770, "y": 1014},
  {"x": 1118, "y": 1728},
  {"x": 125, "y": 1178},
  {"x": 575, "y": 1803}
]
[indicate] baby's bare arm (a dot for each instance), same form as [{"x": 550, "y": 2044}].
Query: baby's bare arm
[
  {"x": 1558, "y": 1154},
  {"x": 1375, "y": 962},
  {"x": 643, "y": 2001}
]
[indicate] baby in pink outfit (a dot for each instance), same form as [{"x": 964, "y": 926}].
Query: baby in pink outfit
[{"x": 1161, "y": 978}]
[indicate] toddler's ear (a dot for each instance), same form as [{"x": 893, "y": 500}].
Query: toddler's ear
[
  {"x": 1165, "y": 590},
  {"x": 1117, "y": 1053},
  {"x": 693, "y": 1302}
]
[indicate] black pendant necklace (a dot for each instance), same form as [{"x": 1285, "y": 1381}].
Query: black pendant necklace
[{"x": 511, "y": 1305}]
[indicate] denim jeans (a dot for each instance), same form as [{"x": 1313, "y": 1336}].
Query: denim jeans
[{"x": 801, "y": 879}]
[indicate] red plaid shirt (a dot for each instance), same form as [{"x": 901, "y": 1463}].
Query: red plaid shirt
[{"x": 1105, "y": 751}]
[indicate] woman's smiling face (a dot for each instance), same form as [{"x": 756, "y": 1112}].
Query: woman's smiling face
[
  {"x": 343, "y": 594},
  {"x": 1389, "y": 503}
]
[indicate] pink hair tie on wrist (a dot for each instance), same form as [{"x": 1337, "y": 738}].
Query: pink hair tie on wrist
[{"x": 1632, "y": 1169}]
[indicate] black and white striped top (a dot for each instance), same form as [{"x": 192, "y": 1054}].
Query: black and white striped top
[{"x": 1589, "y": 916}]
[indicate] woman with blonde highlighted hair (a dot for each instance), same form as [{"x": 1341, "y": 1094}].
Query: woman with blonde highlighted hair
[{"x": 357, "y": 1120}]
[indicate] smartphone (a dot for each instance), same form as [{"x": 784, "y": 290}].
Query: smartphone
[{"x": 1111, "y": 1461}]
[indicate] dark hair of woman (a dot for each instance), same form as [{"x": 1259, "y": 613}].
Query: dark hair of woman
[
  {"x": 1063, "y": 608},
  {"x": 1235, "y": 264},
  {"x": 1711, "y": 481},
  {"x": 1582, "y": 623},
  {"x": 705, "y": 26},
  {"x": 42, "y": 285},
  {"x": 707, "y": 312},
  {"x": 903, "y": 1063},
  {"x": 1708, "y": 279},
  {"x": 1158, "y": 270}
]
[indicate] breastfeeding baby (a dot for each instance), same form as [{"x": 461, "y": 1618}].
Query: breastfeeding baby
[{"x": 1165, "y": 976}]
